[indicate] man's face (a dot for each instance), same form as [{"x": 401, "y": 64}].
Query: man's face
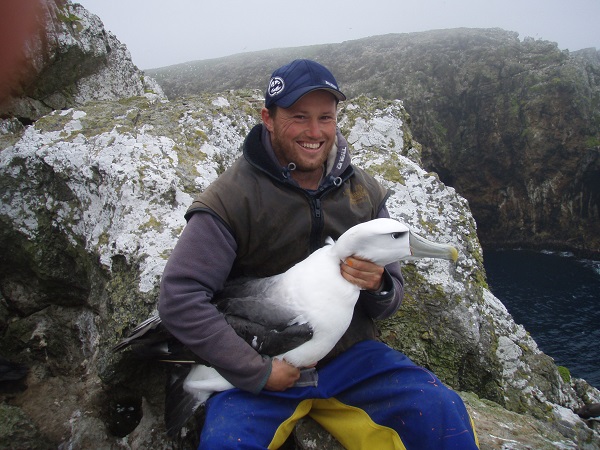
[{"x": 305, "y": 132}]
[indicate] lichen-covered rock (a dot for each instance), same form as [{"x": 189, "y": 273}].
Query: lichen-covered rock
[
  {"x": 70, "y": 59},
  {"x": 17, "y": 427},
  {"x": 91, "y": 204}
]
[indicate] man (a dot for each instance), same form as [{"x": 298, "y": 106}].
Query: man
[{"x": 293, "y": 187}]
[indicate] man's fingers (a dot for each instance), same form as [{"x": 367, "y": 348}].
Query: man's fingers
[{"x": 363, "y": 273}]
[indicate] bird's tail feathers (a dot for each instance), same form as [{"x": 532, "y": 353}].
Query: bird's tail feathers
[
  {"x": 180, "y": 405},
  {"x": 202, "y": 381}
]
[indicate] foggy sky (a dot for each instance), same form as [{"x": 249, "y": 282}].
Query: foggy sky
[{"x": 159, "y": 33}]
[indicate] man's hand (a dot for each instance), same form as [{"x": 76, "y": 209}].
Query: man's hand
[
  {"x": 283, "y": 376},
  {"x": 363, "y": 273}
]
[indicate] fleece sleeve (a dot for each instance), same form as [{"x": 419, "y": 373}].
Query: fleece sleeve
[{"x": 198, "y": 267}]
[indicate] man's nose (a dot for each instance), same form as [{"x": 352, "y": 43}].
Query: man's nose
[{"x": 314, "y": 128}]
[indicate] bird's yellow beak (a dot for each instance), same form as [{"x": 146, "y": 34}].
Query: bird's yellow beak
[{"x": 424, "y": 248}]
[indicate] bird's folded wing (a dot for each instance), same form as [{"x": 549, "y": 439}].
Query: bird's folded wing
[
  {"x": 143, "y": 331},
  {"x": 263, "y": 301},
  {"x": 269, "y": 340},
  {"x": 151, "y": 340}
]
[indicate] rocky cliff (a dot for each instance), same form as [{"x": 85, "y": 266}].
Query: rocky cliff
[
  {"x": 91, "y": 204},
  {"x": 67, "y": 59},
  {"x": 513, "y": 125}
]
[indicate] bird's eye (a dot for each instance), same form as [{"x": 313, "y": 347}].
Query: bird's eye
[{"x": 398, "y": 235}]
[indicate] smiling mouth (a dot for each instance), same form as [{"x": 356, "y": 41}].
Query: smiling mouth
[{"x": 310, "y": 145}]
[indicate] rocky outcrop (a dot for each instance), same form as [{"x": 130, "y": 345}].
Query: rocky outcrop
[
  {"x": 513, "y": 125},
  {"x": 91, "y": 205},
  {"x": 68, "y": 59}
]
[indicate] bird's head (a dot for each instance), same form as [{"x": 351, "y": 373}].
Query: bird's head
[{"x": 384, "y": 241}]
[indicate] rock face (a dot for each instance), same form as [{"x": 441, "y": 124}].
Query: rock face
[
  {"x": 69, "y": 59},
  {"x": 92, "y": 202},
  {"x": 513, "y": 125}
]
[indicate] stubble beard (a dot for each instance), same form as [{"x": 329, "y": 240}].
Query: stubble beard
[{"x": 286, "y": 153}]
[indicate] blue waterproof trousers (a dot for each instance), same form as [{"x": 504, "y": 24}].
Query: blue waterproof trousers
[{"x": 369, "y": 397}]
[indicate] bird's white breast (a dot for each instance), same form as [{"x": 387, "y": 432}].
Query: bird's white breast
[{"x": 323, "y": 298}]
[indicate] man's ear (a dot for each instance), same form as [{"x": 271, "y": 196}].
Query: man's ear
[{"x": 267, "y": 119}]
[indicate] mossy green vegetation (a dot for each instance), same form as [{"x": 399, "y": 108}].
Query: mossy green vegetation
[
  {"x": 390, "y": 169},
  {"x": 125, "y": 302},
  {"x": 564, "y": 373},
  {"x": 67, "y": 16},
  {"x": 592, "y": 142},
  {"x": 54, "y": 121}
]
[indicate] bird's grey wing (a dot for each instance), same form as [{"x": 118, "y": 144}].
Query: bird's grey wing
[
  {"x": 255, "y": 310},
  {"x": 258, "y": 313},
  {"x": 268, "y": 340},
  {"x": 272, "y": 341},
  {"x": 151, "y": 340},
  {"x": 145, "y": 330},
  {"x": 258, "y": 300}
]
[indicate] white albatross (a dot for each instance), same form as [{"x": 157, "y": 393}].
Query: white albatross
[{"x": 313, "y": 293}]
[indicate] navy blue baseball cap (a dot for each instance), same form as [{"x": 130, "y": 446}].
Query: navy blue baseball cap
[{"x": 292, "y": 81}]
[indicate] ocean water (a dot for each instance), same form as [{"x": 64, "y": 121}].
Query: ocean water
[{"x": 556, "y": 297}]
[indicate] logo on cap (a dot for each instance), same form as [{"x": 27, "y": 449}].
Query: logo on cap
[{"x": 276, "y": 85}]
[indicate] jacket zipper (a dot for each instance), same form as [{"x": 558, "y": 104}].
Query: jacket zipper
[
  {"x": 316, "y": 229},
  {"x": 317, "y": 208},
  {"x": 318, "y": 221}
]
